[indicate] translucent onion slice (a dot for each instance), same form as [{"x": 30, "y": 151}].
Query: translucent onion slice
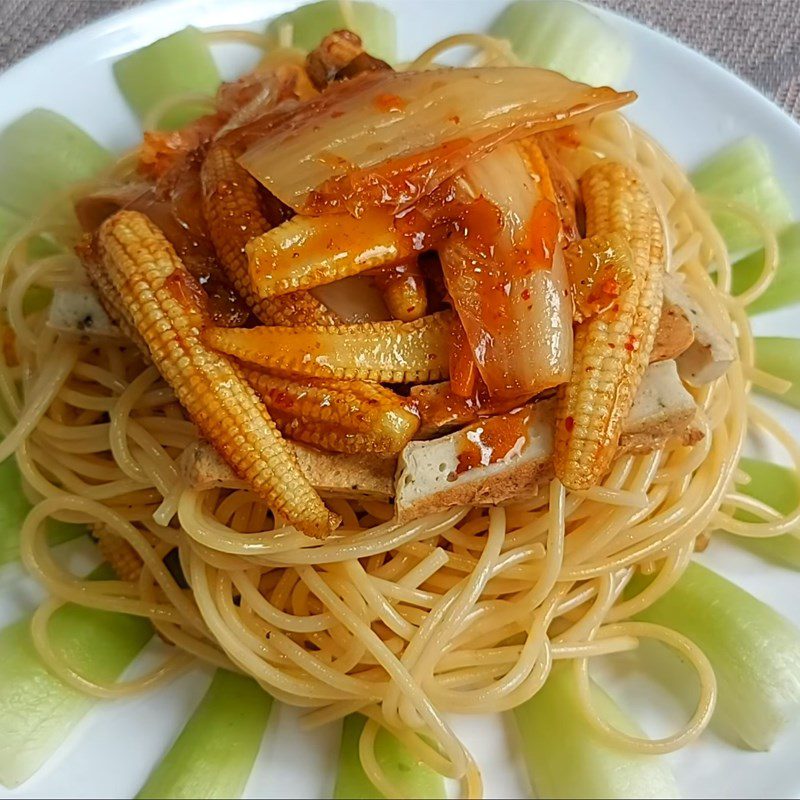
[
  {"x": 354, "y": 299},
  {"x": 504, "y": 269},
  {"x": 325, "y": 154}
]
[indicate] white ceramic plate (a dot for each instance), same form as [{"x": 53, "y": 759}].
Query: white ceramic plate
[{"x": 693, "y": 107}]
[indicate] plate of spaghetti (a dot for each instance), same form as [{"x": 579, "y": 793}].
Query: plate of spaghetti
[{"x": 397, "y": 400}]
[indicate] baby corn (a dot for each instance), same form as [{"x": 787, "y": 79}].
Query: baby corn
[
  {"x": 110, "y": 298},
  {"x": 166, "y": 305},
  {"x": 342, "y": 416},
  {"x": 232, "y": 210},
  {"x": 403, "y": 289},
  {"x": 383, "y": 352},
  {"x": 612, "y": 349},
  {"x": 121, "y": 556},
  {"x": 311, "y": 251},
  {"x": 599, "y": 269}
]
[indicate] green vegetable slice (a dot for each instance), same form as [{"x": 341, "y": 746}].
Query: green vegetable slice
[
  {"x": 41, "y": 154},
  {"x": 778, "y": 487},
  {"x": 176, "y": 65},
  {"x": 38, "y": 247},
  {"x": 565, "y": 757},
  {"x": 785, "y": 287},
  {"x": 412, "y": 778},
  {"x": 744, "y": 173},
  {"x": 566, "y": 37},
  {"x": 37, "y": 297},
  {"x": 10, "y": 223},
  {"x": 780, "y": 356},
  {"x": 755, "y": 652},
  {"x": 14, "y": 507},
  {"x": 37, "y": 709},
  {"x": 215, "y": 752},
  {"x": 311, "y": 23}
]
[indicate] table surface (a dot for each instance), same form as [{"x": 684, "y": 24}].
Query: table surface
[{"x": 757, "y": 39}]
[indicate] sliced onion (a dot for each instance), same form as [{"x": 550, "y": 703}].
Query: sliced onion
[
  {"x": 92, "y": 209},
  {"x": 507, "y": 276},
  {"x": 421, "y": 127},
  {"x": 354, "y": 299}
]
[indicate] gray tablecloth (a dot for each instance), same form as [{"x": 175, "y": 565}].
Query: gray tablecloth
[{"x": 758, "y": 39}]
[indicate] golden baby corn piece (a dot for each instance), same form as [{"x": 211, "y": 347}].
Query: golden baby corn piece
[
  {"x": 232, "y": 210},
  {"x": 383, "y": 352},
  {"x": 599, "y": 270},
  {"x": 110, "y": 298},
  {"x": 311, "y": 251},
  {"x": 612, "y": 349},
  {"x": 403, "y": 290},
  {"x": 124, "y": 560},
  {"x": 166, "y": 305},
  {"x": 341, "y": 416}
]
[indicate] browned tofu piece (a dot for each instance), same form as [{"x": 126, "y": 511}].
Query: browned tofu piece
[
  {"x": 429, "y": 480},
  {"x": 332, "y": 474},
  {"x": 712, "y": 350},
  {"x": 674, "y": 336}
]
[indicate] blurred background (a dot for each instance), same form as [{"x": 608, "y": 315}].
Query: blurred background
[{"x": 757, "y": 39}]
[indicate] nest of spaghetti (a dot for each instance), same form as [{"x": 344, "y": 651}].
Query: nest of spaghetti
[
  {"x": 446, "y": 380},
  {"x": 399, "y": 265}
]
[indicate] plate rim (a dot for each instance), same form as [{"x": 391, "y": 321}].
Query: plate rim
[{"x": 125, "y": 19}]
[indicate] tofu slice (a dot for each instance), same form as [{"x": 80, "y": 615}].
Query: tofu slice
[
  {"x": 361, "y": 477},
  {"x": 663, "y": 411},
  {"x": 674, "y": 336},
  {"x": 427, "y": 480},
  {"x": 712, "y": 351},
  {"x": 77, "y": 310}
]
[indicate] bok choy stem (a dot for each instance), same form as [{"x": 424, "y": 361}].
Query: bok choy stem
[
  {"x": 180, "y": 64},
  {"x": 755, "y": 652},
  {"x": 780, "y": 356},
  {"x": 309, "y": 24},
  {"x": 785, "y": 287},
  {"x": 566, "y": 757},
  {"x": 778, "y": 487},
  {"x": 743, "y": 173},
  {"x": 14, "y": 507},
  {"x": 412, "y": 778},
  {"x": 215, "y": 752},
  {"x": 37, "y": 709},
  {"x": 566, "y": 37},
  {"x": 33, "y": 170}
]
